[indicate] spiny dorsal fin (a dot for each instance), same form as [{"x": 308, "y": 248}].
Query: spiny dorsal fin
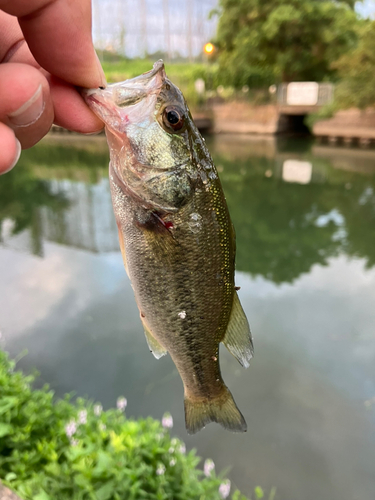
[
  {"x": 238, "y": 338},
  {"x": 157, "y": 349}
]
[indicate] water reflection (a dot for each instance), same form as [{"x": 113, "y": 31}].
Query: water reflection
[
  {"x": 308, "y": 290},
  {"x": 293, "y": 204}
]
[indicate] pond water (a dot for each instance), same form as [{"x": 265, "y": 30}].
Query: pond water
[{"x": 304, "y": 215}]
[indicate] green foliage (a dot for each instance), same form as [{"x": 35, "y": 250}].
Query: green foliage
[
  {"x": 62, "y": 450},
  {"x": 357, "y": 70},
  {"x": 285, "y": 39}
]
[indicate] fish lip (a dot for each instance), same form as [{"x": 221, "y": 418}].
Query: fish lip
[
  {"x": 140, "y": 81},
  {"x": 145, "y": 84},
  {"x": 158, "y": 67}
]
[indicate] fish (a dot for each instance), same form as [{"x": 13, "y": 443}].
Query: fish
[{"x": 176, "y": 238}]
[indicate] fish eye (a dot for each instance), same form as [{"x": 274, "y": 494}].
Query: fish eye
[{"x": 173, "y": 118}]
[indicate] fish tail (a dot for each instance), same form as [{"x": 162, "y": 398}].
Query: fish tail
[{"x": 222, "y": 409}]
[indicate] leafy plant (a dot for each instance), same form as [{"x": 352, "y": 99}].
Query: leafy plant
[
  {"x": 290, "y": 39},
  {"x": 63, "y": 450}
]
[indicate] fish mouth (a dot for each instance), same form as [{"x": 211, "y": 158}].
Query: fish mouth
[
  {"x": 104, "y": 101},
  {"x": 158, "y": 69},
  {"x": 129, "y": 102}
]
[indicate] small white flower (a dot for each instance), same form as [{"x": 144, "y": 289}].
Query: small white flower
[
  {"x": 182, "y": 314},
  {"x": 208, "y": 467},
  {"x": 172, "y": 462},
  {"x": 102, "y": 426},
  {"x": 171, "y": 449},
  {"x": 160, "y": 470},
  {"x": 98, "y": 410},
  {"x": 167, "y": 421},
  {"x": 71, "y": 428},
  {"x": 122, "y": 403},
  {"x": 182, "y": 449},
  {"x": 224, "y": 489},
  {"x": 74, "y": 442},
  {"x": 82, "y": 417}
]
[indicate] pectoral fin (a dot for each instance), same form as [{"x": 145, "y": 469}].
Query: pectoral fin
[
  {"x": 157, "y": 349},
  {"x": 238, "y": 338}
]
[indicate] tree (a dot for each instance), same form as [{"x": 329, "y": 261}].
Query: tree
[
  {"x": 291, "y": 39},
  {"x": 357, "y": 69}
]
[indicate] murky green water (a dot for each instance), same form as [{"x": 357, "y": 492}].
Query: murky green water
[{"x": 305, "y": 222}]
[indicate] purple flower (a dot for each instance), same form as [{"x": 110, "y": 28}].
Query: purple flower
[
  {"x": 208, "y": 467},
  {"x": 74, "y": 442},
  {"x": 122, "y": 403},
  {"x": 182, "y": 448},
  {"x": 98, "y": 410},
  {"x": 224, "y": 489},
  {"x": 71, "y": 428},
  {"x": 82, "y": 417},
  {"x": 167, "y": 421},
  {"x": 160, "y": 470}
]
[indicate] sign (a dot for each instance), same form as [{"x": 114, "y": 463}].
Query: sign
[{"x": 302, "y": 94}]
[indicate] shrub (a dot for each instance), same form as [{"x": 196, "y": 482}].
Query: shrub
[{"x": 59, "y": 449}]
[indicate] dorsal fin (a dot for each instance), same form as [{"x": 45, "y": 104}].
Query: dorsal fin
[{"x": 238, "y": 338}]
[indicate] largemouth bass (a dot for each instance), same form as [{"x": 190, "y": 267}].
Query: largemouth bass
[{"x": 176, "y": 238}]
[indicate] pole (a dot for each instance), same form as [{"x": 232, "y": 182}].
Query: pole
[
  {"x": 167, "y": 33},
  {"x": 189, "y": 8},
  {"x": 144, "y": 26}
]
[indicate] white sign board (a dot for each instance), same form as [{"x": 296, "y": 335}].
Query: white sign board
[
  {"x": 302, "y": 94},
  {"x": 297, "y": 171}
]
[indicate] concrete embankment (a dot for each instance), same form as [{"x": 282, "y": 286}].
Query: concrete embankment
[
  {"x": 351, "y": 125},
  {"x": 241, "y": 117},
  {"x": 346, "y": 126}
]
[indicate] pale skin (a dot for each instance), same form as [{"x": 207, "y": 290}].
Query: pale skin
[{"x": 46, "y": 51}]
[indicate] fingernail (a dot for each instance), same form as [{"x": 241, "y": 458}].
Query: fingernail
[
  {"x": 16, "y": 158},
  {"x": 30, "y": 111},
  {"x": 101, "y": 72}
]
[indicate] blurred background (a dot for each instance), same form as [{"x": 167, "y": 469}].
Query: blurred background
[{"x": 284, "y": 92}]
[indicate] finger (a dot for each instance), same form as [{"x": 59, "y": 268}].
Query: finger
[
  {"x": 25, "y": 104},
  {"x": 58, "y": 33},
  {"x": 12, "y": 43},
  {"x": 71, "y": 111},
  {"x": 10, "y": 149}
]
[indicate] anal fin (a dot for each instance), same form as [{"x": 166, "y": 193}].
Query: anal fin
[
  {"x": 238, "y": 338},
  {"x": 155, "y": 347}
]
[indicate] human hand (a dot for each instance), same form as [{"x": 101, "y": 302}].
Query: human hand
[{"x": 45, "y": 51}]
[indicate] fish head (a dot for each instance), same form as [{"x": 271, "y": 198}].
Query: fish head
[
  {"x": 149, "y": 130},
  {"x": 148, "y": 114}
]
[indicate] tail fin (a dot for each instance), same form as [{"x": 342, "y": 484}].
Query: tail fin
[{"x": 222, "y": 410}]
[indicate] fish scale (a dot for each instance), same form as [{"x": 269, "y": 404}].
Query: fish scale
[{"x": 176, "y": 238}]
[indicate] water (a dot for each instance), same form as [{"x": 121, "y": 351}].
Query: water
[{"x": 305, "y": 221}]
